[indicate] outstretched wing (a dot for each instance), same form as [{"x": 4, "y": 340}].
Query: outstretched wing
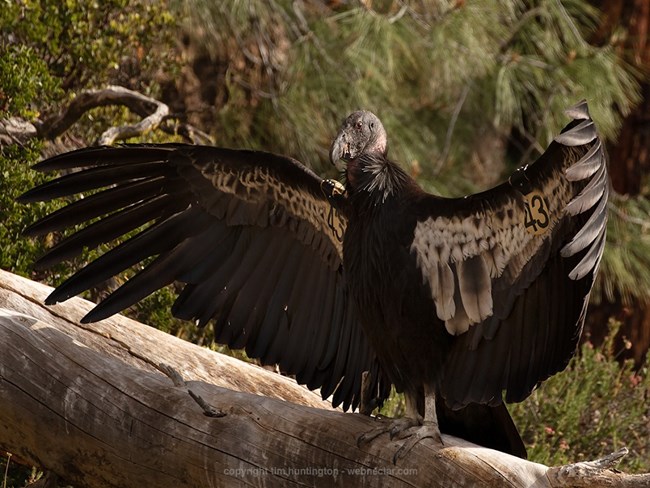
[
  {"x": 511, "y": 269},
  {"x": 249, "y": 233}
]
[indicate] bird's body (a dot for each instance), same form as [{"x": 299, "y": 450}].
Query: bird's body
[
  {"x": 438, "y": 283},
  {"x": 398, "y": 318},
  {"x": 396, "y": 311},
  {"x": 454, "y": 301}
]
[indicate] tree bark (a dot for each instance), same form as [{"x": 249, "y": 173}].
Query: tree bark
[{"x": 118, "y": 403}]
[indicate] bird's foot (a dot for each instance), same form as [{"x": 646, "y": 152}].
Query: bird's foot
[
  {"x": 413, "y": 435},
  {"x": 394, "y": 428},
  {"x": 333, "y": 190}
]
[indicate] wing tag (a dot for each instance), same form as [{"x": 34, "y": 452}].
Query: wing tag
[
  {"x": 536, "y": 218},
  {"x": 335, "y": 223}
]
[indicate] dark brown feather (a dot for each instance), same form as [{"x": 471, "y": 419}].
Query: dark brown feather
[{"x": 247, "y": 233}]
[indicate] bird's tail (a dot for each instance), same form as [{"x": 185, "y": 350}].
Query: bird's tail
[{"x": 484, "y": 425}]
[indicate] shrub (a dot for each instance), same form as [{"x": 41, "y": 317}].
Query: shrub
[{"x": 596, "y": 406}]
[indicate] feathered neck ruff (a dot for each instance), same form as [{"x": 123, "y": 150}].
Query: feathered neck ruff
[{"x": 373, "y": 179}]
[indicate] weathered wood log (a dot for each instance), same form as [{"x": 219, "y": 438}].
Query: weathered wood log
[{"x": 118, "y": 403}]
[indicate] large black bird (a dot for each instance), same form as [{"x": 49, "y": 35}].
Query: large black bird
[{"x": 455, "y": 301}]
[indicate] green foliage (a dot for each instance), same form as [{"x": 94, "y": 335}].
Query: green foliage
[
  {"x": 547, "y": 64},
  {"x": 18, "y": 253},
  {"x": 25, "y": 77},
  {"x": 593, "y": 408},
  {"x": 15, "y": 475},
  {"x": 394, "y": 406},
  {"x": 522, "y": 64},
  {"x": 85, "y": 43},
  {"x": 50, "y": 50},
  {"x": 628, "y": 251}
]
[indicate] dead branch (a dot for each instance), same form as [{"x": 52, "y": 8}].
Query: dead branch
[
  {"x": 155, "y": 115},
  {"x": 15, "y": 130},
  {"x": 596, "y": 473}
]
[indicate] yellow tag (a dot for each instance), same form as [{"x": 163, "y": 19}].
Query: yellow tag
[
  {"x": 537, "y": 217},
  {"x": 332, "y": 188}
]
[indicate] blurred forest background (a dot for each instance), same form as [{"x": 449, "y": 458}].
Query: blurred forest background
[{"x": 467, "y": 90}]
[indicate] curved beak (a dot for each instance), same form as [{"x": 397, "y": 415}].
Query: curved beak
[{"x": 339, "y": 151}]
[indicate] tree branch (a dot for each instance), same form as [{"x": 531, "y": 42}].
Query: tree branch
[
  {"x": 15, "y": 130},
  {"x": 147, "y": 124},
  {"x": 90, "y": 404},
  {"x": 155, "y": 115},
  {"x": 597, "y": 473}
]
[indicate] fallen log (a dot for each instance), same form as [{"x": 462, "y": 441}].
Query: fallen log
[{"x": 120, "y": 404}]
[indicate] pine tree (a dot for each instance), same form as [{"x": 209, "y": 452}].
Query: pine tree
[{"x": 625, "y": 24}]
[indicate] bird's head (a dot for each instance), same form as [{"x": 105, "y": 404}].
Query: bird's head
[{"x": 361, "y": 133}]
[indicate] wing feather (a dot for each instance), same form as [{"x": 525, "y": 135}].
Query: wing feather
[
  {"x": 445, "y": 303},
  {"x": 107, "y": 229},
  {"x": 523, "y": 257},
  {"x": 587, "y": 165},
  {"x": 591, "y": 194},
  {"x": 246, "y": 232},
  {"x": 594, "y": 227},
  {"x": 475, "y": 288}
]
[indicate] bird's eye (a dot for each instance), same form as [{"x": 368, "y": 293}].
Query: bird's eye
[
  {"x": 359, "y": 124},
  {"x": 372, "y": 125}
]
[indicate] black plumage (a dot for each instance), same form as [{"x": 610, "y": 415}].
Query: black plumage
[{"x": 454, "y": 301}]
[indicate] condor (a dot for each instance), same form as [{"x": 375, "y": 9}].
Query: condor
[{"x": 461, "y": 303}]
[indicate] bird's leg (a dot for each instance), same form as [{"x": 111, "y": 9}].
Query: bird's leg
[
  {"x": 428, "y": 430},
  {"x": 368, "y": 397},
  {"x": 396, "y": 426}
]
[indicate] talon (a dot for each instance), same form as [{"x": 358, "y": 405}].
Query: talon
[
  {"x": 394, "y": 428},
  {"x": 332, "y": 188},
  {"x": 426, "y": 431},
  {"x": 403, "y": 425},
  {"x": 404, "y": 433},
  {"x": 370, "y": 436}
]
